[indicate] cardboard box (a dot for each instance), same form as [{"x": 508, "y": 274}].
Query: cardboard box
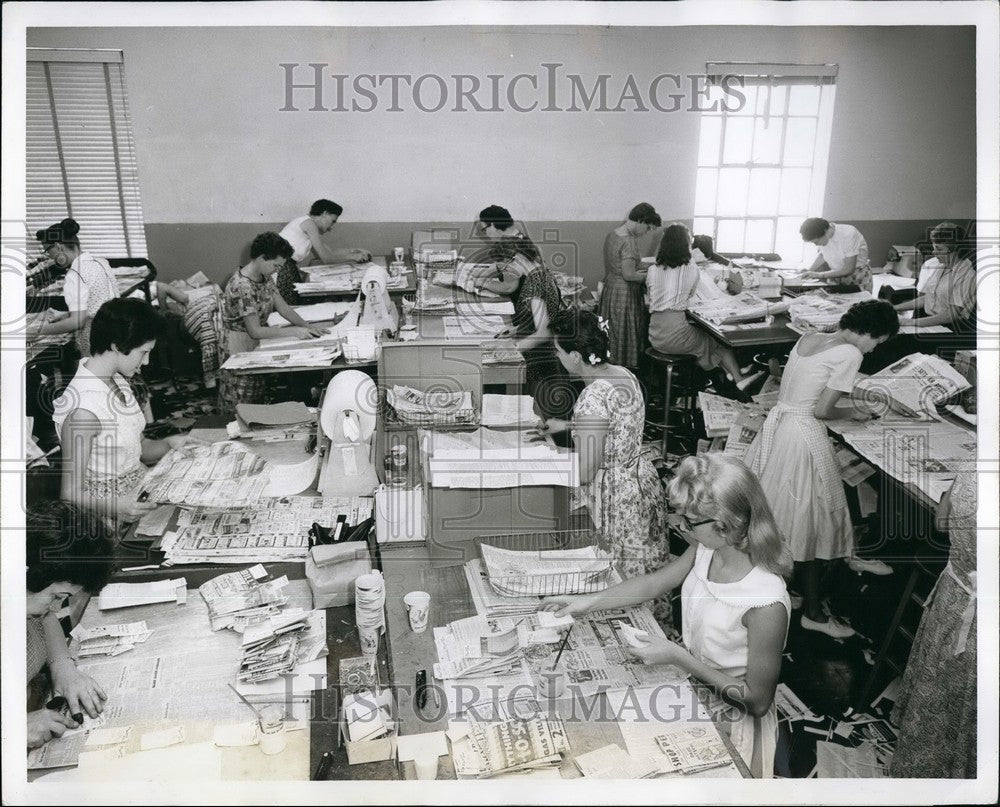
[{"x": 379, "y": 749}]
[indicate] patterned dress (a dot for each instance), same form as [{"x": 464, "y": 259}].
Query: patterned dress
[
  {"x": 936, "y": 711},
  {"x": 626, "y": 497},
  {"x": 547, "y": 380},
  {"x": 243, "y": 297},
  {"x": 621, "y": 302}
]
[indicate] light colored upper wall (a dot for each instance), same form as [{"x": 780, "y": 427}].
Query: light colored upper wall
[{"x": 214, "y": 147}]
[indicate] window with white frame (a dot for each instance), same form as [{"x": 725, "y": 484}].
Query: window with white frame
[
  {"x": 81, "y": 159},
  {"x": 762, "y": 163}
]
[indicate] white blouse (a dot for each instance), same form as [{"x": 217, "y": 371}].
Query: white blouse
[
  {"x": 116, "y": 451},
  {"x": 671, "y": 289},
  {"x": 297, "y": 237},
  {"x": 90, "y": 283}
]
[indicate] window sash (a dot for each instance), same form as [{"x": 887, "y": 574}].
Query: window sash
[{"x": 81, "y": 159}]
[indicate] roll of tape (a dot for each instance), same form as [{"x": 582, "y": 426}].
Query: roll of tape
[{"x": 377, "y": 275}]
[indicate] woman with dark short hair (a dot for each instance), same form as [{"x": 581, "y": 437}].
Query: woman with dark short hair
[
  {"x": 537, "y": 302},
  {"x": 624, "y": 284},
  {"x": 99, "y": 422},
  {"x": 793, "y": 456},
  {"x": 843, "y": 253},
  {"x": 249, "y": 298},
  {"x": 619, "y": 482},
  {"x": 68, "y": 550},
  {"x": 305, "y": 235}
]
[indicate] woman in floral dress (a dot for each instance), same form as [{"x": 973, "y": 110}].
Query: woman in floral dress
[
  {"x": 248, "y": 300},
  {"x": 620, "y": 484},
  {"x": 936, "y": 711}
]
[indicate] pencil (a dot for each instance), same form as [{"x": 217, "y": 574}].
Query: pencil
[{"x": 562, "y": 647}]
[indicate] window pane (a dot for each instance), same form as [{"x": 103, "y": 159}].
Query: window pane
[
  {"x": 800, "y": 136},
  {"x": 777, "y": 105},
  {"x": 704, "y": 192},
  {"x": 767, "y": 141},
  {"x": 703, "y": 226},
  {"x": 794, "y": 196},
  {"x": 803, "y": 100},
  {"x": 787, "y": 241},
  {"x": 765, "y": 185},
  {"x": 715, "y": 96},
  {"x": 759, "y": 235},
  {"x": 732, "y": 198},
  {"x": 708, "y": 142},
  {"x": 730, "y": 236},
  {"x": 748, "y": 106},
  {"x": 739, "y": 135}
]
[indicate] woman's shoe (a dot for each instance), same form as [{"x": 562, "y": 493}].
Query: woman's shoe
[{"x": 832, "y": 627}]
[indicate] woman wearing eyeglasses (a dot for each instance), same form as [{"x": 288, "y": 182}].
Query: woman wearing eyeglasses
[
  {"x": 620, "y": 484},
  {"x": 89, "y": 282},
  {"x": 793, "y": 456},
  {"x": 734, "y": 604}
]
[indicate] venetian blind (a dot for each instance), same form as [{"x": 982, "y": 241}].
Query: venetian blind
[{"x": 81, "y": 159}]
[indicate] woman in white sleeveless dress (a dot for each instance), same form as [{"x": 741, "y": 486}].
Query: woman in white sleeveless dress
[{"x": 793, "y": 456}]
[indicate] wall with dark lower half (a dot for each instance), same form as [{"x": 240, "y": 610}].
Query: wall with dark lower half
[
  {"x": 570, "y": 246},
  {"x": 219, "y": 161}
]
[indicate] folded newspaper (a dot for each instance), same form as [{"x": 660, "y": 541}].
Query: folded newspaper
[
  {"x": 239, "y": 599},
  {"x": 512, "y": 745},
  {"x": 915, "y": 385}
]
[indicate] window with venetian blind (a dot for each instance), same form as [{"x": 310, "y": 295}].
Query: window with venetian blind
[
  {"x": 81, "y": 159},
  {"x": 762, "y": 163}
]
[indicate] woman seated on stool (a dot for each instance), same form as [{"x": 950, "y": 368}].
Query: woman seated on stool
[
  {"x": 100, "y": 425},
  {"x": 537, "y": 301},
  {"x": 794, "y": 459},
  {"x": 68, "y": 550},
  {"x": 734, "y": 605},
  {"x": 948, "y": 298},
  {"x": 843, "y": 253},
  {"x": 620, "y": 484},
  {"x": 672, "y": 282},
  {"x": 248, "y": 300}
]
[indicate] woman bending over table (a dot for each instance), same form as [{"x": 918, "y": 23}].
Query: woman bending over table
[
  {"x": 620, "y": 484},
  {"x": 67, "y": 551},
  {"x": 249, "y": 298}
]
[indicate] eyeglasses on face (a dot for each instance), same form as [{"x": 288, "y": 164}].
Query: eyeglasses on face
[{"x": 681, "y": 522}]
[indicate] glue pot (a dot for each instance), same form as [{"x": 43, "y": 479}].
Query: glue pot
[{"x": 272, "y": 729}]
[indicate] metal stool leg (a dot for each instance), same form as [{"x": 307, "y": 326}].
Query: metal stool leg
[{"x": 666, "y": 405}]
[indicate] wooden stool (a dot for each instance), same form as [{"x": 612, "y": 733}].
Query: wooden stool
[{"x": 680, "y": 372}]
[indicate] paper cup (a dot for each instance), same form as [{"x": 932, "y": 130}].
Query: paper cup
[
  {"x": 418, "y": 606},
  {"x": 427, "y": 766},
  {"x": 369, "y": 636},
  {"x": 272, "y": 730}
]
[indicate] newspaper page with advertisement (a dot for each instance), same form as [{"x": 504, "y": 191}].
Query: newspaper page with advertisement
[
  {"x": 221, "y": 475},
  {"x": 277, "y": 529},
  {"x": 721, "y": 413},
  {"x": 914, "y": 385},
  {"x": 515, "y": 744}
]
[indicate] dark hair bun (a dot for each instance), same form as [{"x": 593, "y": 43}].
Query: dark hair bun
[
  {"x": 64, "y": 232},
  {"x": 585, "y": 333}
]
